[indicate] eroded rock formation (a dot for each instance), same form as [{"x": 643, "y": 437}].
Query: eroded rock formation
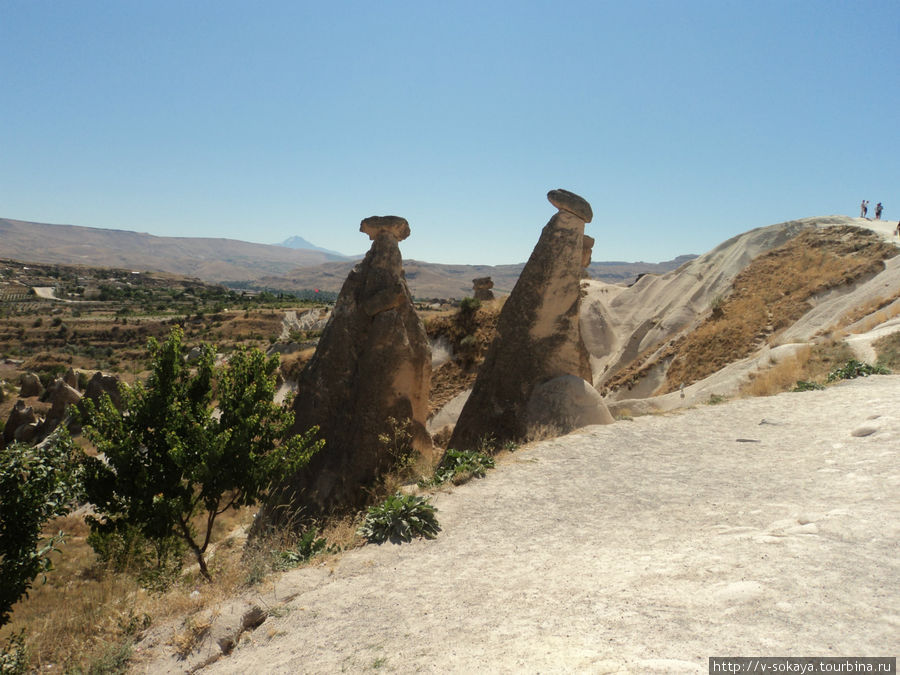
[
  {"x": 538, "y": 339},
  {"x": 482, "y": 288},
  {"x": 101, "y": 384},
  {"x": 30, "y": 385},
  {"x": 22, "y": 416},
  {"x": 372, "y": 363}
]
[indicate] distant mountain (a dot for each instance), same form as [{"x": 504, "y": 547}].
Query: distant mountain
[
  {"x": 209, "y": 259},
  {"x": 300, "y": 242}
]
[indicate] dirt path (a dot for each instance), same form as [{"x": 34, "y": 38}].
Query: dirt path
[{"x": 762, "y": 526}]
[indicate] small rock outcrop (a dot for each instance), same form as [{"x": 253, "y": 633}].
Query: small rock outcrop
[
  {"x": 101, "y": 384},
  {"x": 71, "y": 378},
  {"x": 482, "y": 288},
  {"x": 586, "y": 251},
  {"x": 30, "y": 385},
  {"x": 22, "y": 415},
  {"x": 61, "y": 396},
  {"x": 538, "y": 340},
  {"x": 373, "y": 362}
]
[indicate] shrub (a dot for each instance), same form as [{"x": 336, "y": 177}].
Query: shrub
[
  {"x": 806, "y": 385},
  {"x": 397, "y": 443},
  {"x": 36, "y": 484},
  {"x": 469, "y": 305},
  {"x": 853, "y": 369},
  {"x": 400, "y": 518}
]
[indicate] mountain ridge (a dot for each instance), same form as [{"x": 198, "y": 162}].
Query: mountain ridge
[{"x": 250, "y": 265}]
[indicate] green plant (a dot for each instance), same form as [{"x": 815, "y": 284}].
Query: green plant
[
  {"x": 168, "y": 459},
  {"x": 853, "y": 369},
  {"x": 156, "y": 563},
  {"x": 36, "y": 484},
  {"x": 397, "y": 443},
  {"x": 458, "y": 466},
  {"x": 806, "y": 385},
  {"x": 308, "y": 546},
  {"x": 469, "y": 305},
  {"x": 400, "y": 518},
  {"x": 715, "y": 399},
  {"x": 14, "y": 655}
]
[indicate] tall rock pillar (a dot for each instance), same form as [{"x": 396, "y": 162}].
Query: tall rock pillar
[
  {"x": 373, "y": 362},
  {"x": 538, "y": 361}
]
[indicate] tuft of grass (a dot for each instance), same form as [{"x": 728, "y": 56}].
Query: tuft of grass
[
  {"x": 715, "y": 399},
  {"x": 888, "y": 350},
  {"x": 781, "y": 376}
]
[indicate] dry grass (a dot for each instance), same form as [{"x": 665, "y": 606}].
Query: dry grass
[
  {"x": 865, "y": 318},
  {"x": 782, "y": 376},
  {"x": 86, "y": 616},
  {"x": 811, "y": 363},
  {"x": 888, "y": 350}
]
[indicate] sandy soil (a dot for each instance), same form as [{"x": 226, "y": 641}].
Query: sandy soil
[{"x": 761, "y": 526}]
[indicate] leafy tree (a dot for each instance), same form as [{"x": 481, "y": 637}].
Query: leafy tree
[
  {"x": 168, "y": 458},
  {"x": 36, "y": 484}
]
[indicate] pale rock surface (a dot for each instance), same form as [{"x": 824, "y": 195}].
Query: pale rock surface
[
  {"x": 635, "y": 547},
  {"x": 564, "y": 404},
  {"x": 538, "y": 331},
  {"x": 372, "y": 363}
]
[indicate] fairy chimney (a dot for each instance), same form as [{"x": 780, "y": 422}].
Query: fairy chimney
[
  {"x": 538, "y": 339},
  {"x": 373, "y": 363}
]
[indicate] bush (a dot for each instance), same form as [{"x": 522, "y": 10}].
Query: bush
[
  {"x": 400, "y": 518},
  {"x": 806, "y": 385},
  {"x": 853, "y": 369},
  {"x": 36, "y": 484},
  {"x": 155, "y": 563},
  {"x": 469, "y": 305}
]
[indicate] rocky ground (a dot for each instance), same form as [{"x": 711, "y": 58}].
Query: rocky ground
[{"x": 763, "y": 526}]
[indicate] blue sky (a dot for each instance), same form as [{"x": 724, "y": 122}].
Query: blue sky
[{"x": 683, "y": 123}]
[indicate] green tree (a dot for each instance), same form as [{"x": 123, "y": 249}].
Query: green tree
[
  {"x": 36, "y": 484},
  {"x": 168, "y": 458}
]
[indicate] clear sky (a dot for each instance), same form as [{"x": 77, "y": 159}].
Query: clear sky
[{"x": 683, "y": 123}]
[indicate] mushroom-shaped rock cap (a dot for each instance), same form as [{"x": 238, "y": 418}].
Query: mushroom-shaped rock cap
[
  {"x": 394, "y": 225},
  {"x": 569, "y": 201}
]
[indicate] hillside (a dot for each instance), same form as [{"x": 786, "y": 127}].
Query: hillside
[
  {"x": 431, "y": 280},
  {"x": 209, "y": 259},
  {"x": 294, "y": 265},
  {"x": 771, "y": 289}
]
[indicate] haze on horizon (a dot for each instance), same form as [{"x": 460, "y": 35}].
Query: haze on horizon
[{"x": 682, "y": 123}]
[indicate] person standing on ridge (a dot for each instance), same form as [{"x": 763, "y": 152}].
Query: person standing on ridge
[
  {"x": 863, "y": 208},
  {"x": 878, "y": 210}
]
